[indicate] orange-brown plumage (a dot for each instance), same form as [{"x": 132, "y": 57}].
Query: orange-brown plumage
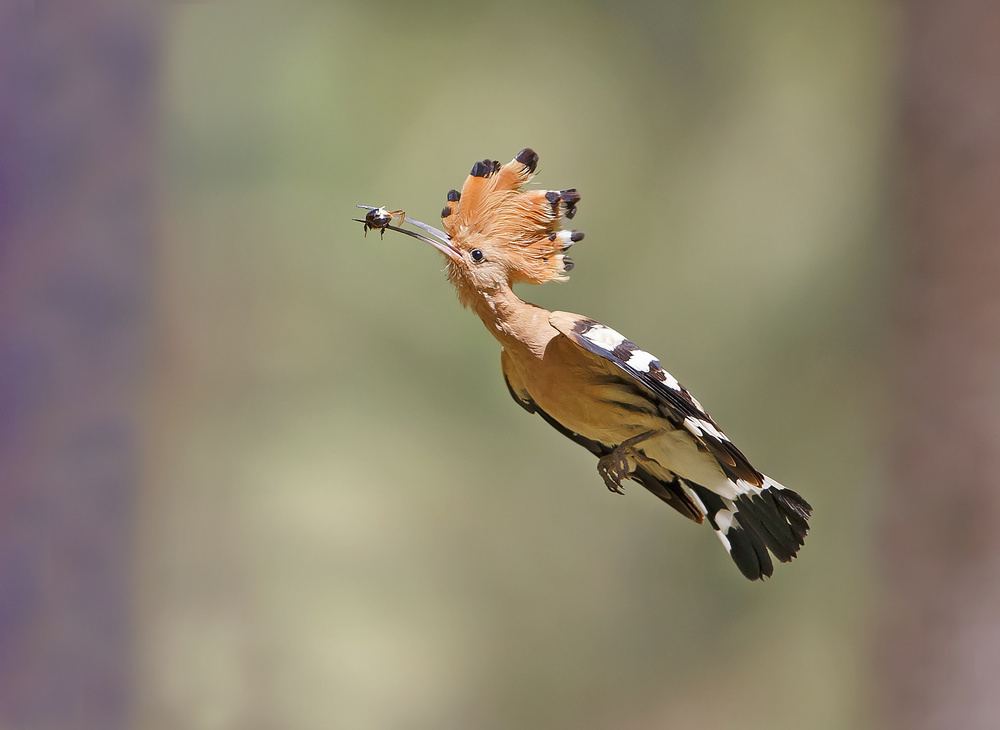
[
  {"x": 588, "y": 381},
  {"x": 492, "y": 207}
]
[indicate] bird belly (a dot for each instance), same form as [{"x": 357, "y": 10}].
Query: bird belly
[
  {"x": 605, "y": 413},
  {"x": 675, "y": 451}
]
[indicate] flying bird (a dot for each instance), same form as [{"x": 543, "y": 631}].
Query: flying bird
[{"x": 588, "y": 381}]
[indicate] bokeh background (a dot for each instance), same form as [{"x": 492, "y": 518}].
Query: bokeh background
[
  {"x": 348, "y": 522},
  {"x": 316, "y": 505}
]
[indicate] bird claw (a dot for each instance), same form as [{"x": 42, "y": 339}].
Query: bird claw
[{"x": 613, "y": 468}]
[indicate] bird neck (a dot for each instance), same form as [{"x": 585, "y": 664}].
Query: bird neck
[{"x": 510, "y": 319}]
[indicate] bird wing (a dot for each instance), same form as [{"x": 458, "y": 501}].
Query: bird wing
[
  {"x": 674, "y": 401},
  {"x": 670, "y": 492},
  {"x": 763, "y": 515}
]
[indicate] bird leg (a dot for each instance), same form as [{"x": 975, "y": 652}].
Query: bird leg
[{"x": 614, "y": 467}]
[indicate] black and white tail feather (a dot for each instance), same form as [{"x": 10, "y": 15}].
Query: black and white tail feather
[
  {"x": 771, "y": 518},
  {"x": 753, "y": 515}
]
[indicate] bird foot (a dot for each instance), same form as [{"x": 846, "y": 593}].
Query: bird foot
[{"x": 614, "y": 468}]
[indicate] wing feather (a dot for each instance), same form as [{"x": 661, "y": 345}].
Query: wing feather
[
  {"x": 670, "y": 492},
  {"x": 675, "y": 402}
]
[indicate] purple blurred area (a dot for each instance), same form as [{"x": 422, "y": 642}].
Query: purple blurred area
[{"x": 77, "y": 130}]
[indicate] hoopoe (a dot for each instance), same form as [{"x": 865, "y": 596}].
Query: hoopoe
[{"x": 589, "y": 382}]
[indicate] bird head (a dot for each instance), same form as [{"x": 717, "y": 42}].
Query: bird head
[{"x": 496, "y": 234}]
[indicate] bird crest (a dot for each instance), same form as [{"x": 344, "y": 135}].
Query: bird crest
[{"x": 525, "y": 225}]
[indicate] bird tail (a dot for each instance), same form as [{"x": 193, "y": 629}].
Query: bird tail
[{"x": 759, "y": 519}]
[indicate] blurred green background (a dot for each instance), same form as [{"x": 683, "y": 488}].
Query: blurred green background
[{"x": 346, "y": 521}]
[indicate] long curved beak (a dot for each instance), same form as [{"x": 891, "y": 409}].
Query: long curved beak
[{"x": 441, "y": 241}]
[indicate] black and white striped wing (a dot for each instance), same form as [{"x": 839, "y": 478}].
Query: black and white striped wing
[
  {"x": 676, "y": 403},
  {"x": 670, "y": 492},
  {"x": 759, "y": 514}
]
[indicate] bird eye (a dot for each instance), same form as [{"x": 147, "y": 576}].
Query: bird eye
[{"x": 476, "y": 255}]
